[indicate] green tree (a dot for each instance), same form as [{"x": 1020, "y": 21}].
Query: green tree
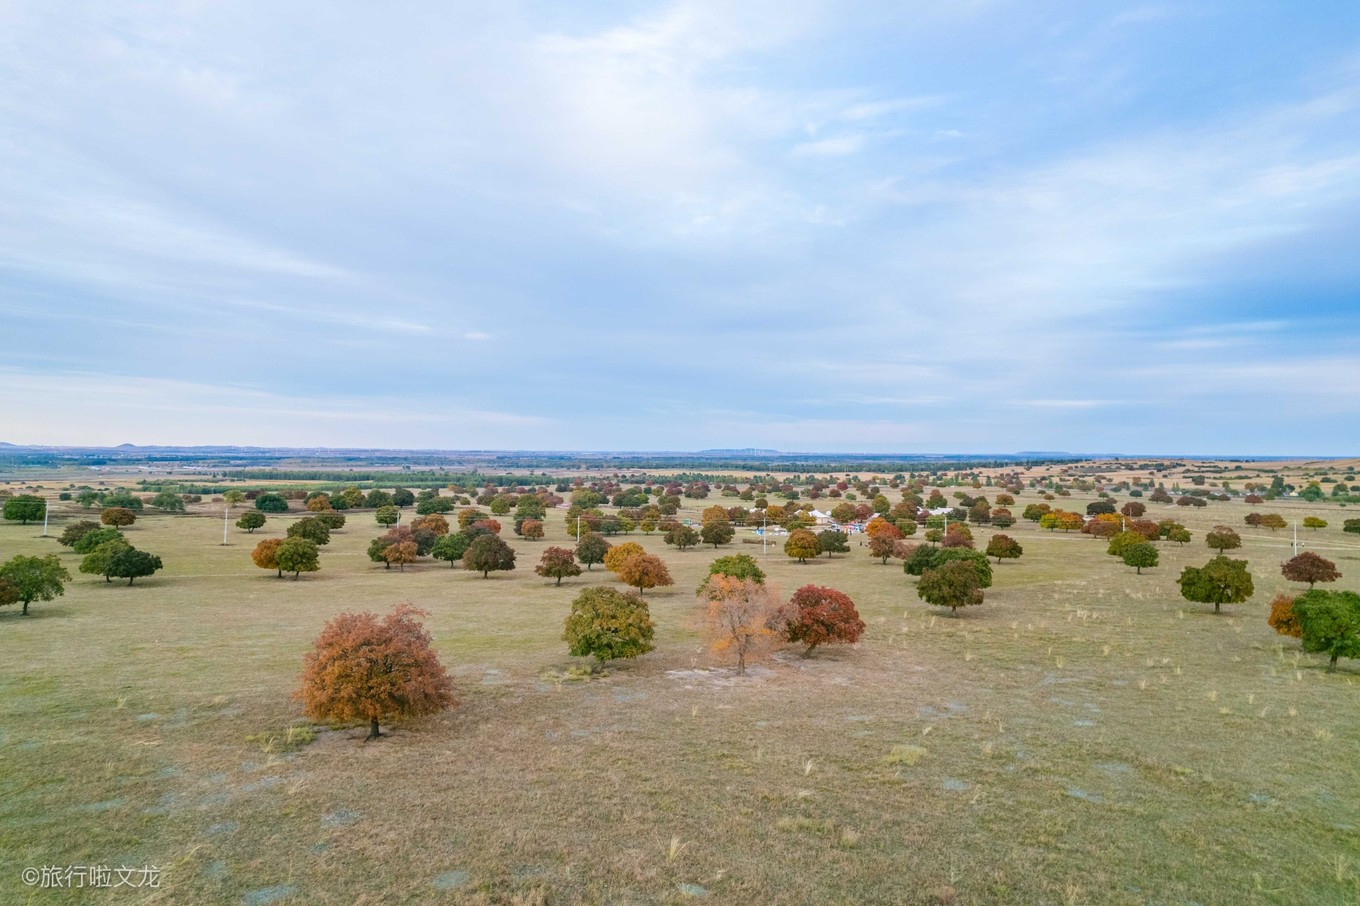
[
  {"x": 737, "y": 566},
  {"x": 332, "y": 520},
  {"x": 311, "y": 528},
  {"x": 35, "y": 578},
  {"x": 434, "y": 505},
  {"x": 591, "y": 549},
  {"x": 117, "y": 516},
  {"x": 606, "y": 624},
  {"x": 123, "y": 498},
  {"x": 716, "y": 533},
  {"x": 131, "y": 564},
  {"x": 682, "y": 536},
  {"x": 387, "y": 515},
  {"x": 1140, "y": 555},
  {"x": 1314, "y": 523},
  {"x": 487, "y": 553},
  {"x": 234, "y": 498},
  {"x": 24, "y": 508},
  {"x": 833, "y": 542},
  {"x": 953, "y": 585},
  {"x": 1223, "y": 538},
  {"x": 90, "y": 540},
  {"x": 251, "y": 520},
  {"x": 169, "y": 502},
  {"x": 377, "y": 498},
  {"x": 298, "y": 554},
  {"x": 1122, "y": 542},
  {"x": 1220, "y": 581},
  {"x": 1330, "y": 624},
  {"x": 271, "y": 503},
  {"x": 87, "y": 499},
  {"x": 452, "y": 547},
  {"x": 926, "y": 558},
  {"x": 402, "y": 498},
  {"x": 802, "y": 545}
]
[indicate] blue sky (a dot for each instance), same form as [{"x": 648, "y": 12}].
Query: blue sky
[{"x": 913, "y": 227}]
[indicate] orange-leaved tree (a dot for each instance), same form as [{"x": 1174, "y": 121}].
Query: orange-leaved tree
[
  {"x": 266, "y": 554},
  {"x": 644, "y": 571},
  {"x": 742, "y": 617},
  {"x": 364, "y": 667},
  {"x": 619, "y": 554},
  {"x": 818, "y": 615},
  {"x": 1282, "y": 618}
]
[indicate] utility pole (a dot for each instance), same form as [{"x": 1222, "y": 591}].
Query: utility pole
[
  {"x": 47, "y": 505},
  {"x": 1296, "y": 537},
  {"x": 226, "y": 514},
  {"x": 578, "y": 528}
]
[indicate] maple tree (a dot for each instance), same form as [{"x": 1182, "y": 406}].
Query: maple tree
[
  {"x": 817, "y": 615},
  {"x": 643, "y": 571},
  {"x": 431, "y": 522},
  {"x": 616, "y": 556},
  {"x": 558, "y": 563},
  {"x": 1311, "y": 568},
  {"x": 265, "y": 554},
  {"x": 1282, "y": 618},
  {"x": 363, "y": 667},
  {"x": 742, "y": 618},
  {"x": 605, "y": 623},
  {"x": 401, "y": 553}
]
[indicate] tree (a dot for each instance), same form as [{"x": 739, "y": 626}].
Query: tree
[
  {"x": 1220, "y": 581},
  {"x": 1329, "y": 622},
  {"x": 402, "y": 498},
  {"x": 90, "y": 540},
  {"x": 117, "y": 516},
  {"x": 319, "y": 503},
  {"x": 34, "y": 579},
  {"x": 234, "y": 498},
  {"x": 1004, "y": 547},
  {"x": 452, "y": 547},
  {"x": 818, "y": 615},
  {"x": 1309, "y": 567},
  {"x": 1223, "y": 539},
  {"x": 616, "y": 556},
  {"x": 1273, "y": 521},
  {"x": 311, "y": 529},
  {"x": 387, "y": 515},
  {"x": 1122, "y": 542},
  {"x": 131, "y": 564},
  {"x": 1282, "y": 618},
  {"x": 716, "y": 533},
  {"x": 1179, "y": 534},
  {"x": 431, "y": 505},
  {"x": 297, "y": 555},
  {"x": 377, "y": 499},
  {"x": 742, "y": 617},
  {"x": 1352, "y": 526},
  {"x": 271, "y": 503},
  {"x": 75, "y": 531},
  {"x": 833, "y": 542},
  {"x": 843, "y": 513},
  {"x": 558, "y": 563},
  {"x": 953, "y": 585},
  {"x": 433, "y": 523},
  {"x": 644, "y": 571},
  {"x": 332, "y": 520},
  {"x": 265, "y": 554},
  {"x": 529, "y": 529},
  {"x": 881, "y": 547},
  {"x": 487, "y": 553},
  {"x": 1035, "y": 512},
  {"x": 802, "y": 545},
  {"x": 1314, "y": 523},
  {"x": 606, "y": 624},
  {"x": 737, "y": 566},
  {"x": 1140, "y": 555},
  {"x": 926, "y": 558},
  {"x": 1099, "y": 506},
  {"x": 25, "y": 508},
  {"x": 401, "y": 553},
  {"x": 682, "y": 536},
  {"x": 592, "y": 548},
  {"x": 169, "y": 502},
  {"x": 1133, "y": 509},
  {"x": 251, "y": 520},
  {"x": 366, "y": 668}
]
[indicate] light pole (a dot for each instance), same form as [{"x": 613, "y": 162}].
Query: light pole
[
  {"x": 226, "y": 514},
  {"x": 47, "y": 505}
]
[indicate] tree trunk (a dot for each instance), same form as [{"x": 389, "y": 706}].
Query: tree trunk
[
  {"x": 486, "y": 574},
  {"x": 559, "y": 580},
  {"x": 1216, "y": 606},
  {"x": 373, "y": 732},
  {"x": 280, "y": 572},
  {"x": 25, "y": 610},
  {"x": 130, "y": 578},
  {"x": 1331, "y": 668}
]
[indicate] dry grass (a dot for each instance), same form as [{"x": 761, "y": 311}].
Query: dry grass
[{"x": 1084, "y": 737}]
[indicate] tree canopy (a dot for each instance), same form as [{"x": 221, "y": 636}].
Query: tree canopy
[
  {"x": 365, "y": 668},
  {"x": 1329, "y": 623},
  {"x": 24, "y": 508},
  {"x": 606, "y": 624},
  {"x": 1220, "y": 581},
  {"x": 818, "y": 615},
  {"x": 34, "y": 579}
]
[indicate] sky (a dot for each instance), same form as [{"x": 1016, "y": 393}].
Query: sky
[{"x": 980, "y": 226}]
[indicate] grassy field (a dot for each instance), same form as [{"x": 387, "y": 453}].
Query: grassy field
[{"x": 1084, "y": 737}]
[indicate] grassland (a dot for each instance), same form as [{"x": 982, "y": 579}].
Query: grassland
[{"x": 1084, "y": 737}]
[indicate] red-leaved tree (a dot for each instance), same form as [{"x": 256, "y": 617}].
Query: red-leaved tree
[
  {"x": 364, "y": 667},
  {"x": 818, "y": 615}
]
